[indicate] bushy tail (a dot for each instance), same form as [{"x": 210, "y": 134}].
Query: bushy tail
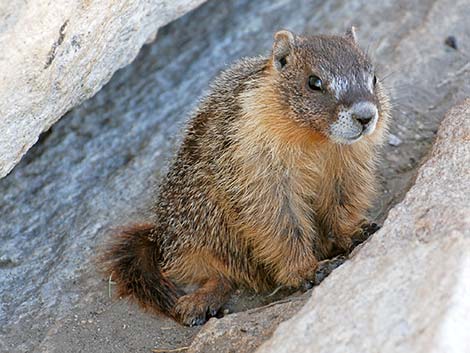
[{"x": 132, "y": 262}]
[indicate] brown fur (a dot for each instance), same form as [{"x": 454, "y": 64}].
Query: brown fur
[
  {"x": 132, "y": 261},
  {"x": 258, "y": 193}
]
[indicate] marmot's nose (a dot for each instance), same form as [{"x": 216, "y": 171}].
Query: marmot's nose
[
  {"x": 363, "y": 119},
  {"x": 364, "y": 112}
]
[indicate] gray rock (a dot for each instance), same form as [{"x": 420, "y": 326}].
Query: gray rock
[
  {"x": 56, "y": 54},
  {"x": 96, "y": 168},
  {"x": 244, "y": 332},
  {"x": 408, "y": 288},
  {"x": 394, "y": 140}
]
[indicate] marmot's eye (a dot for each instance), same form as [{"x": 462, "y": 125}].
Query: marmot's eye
[
  {"x": 374, "y": 80},
  {"x": 283, "y": 62},
  {"x": 315, "y": 83}
]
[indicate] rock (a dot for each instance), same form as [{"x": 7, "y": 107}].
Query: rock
[
  {"x": 394, "y": 140},
  {"x": 408, "y": 288},
  {"x": 96, "y": 168},
  {"x": 451, "y": 42},
  {"x": 57, "y": 54},
  {"x": 244, "y": 332}
]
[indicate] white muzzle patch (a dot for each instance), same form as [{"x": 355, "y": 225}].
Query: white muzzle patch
[{"x": 354, "y": 122}]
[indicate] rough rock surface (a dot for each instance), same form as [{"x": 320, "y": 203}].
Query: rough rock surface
[
  {"x": 408, "y": 288},
  {"x": 55, "y": 54},
  {"x": 245, "y": 331},
  {"x": 96, "y": 167}
]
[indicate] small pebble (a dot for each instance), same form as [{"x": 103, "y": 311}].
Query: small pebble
[
  {"x": 394, "y": 140},
  {"x": 451, "y": 42}
]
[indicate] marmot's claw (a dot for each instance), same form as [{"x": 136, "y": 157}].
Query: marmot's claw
[
  {"x": 308, "y": 284},
  {"x": 371, "y": 228},
  {"x": 325, "y": 267},
  {"x": 197, "y": 321},
  {"x": 365, "y": 232}
]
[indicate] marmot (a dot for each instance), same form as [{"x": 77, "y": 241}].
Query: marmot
[{"x": 276, "y": 172}]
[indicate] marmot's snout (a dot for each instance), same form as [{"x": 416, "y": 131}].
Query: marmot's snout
[
  {"x": 354, "y": 122},
  {"x": 366, "y": 114}
]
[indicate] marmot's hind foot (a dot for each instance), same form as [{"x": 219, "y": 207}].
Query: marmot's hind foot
[{"x": 196, "y": 308}]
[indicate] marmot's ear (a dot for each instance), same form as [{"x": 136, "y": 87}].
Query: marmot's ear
[
  {"x": 283, "y": 43},
  {"x": 351, "y": 34}
]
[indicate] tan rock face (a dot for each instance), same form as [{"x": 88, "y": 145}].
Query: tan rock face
[
  {"x": 408, "y": 288},
  {"x": 55, "y": 54}
]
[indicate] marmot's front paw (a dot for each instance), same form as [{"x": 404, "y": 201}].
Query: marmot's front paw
[
  {"x": 325, "y": 267},
  {"x": 366, "y": 230},
  {"x": 370, "y": 228},
  {"x": 308, "y": 284},
  {"x": 342, "y": 245},
  {"x": 323, "y": 270}
]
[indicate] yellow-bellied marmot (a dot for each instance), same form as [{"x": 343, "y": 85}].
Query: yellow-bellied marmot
[{"x": 276, "y": 172}]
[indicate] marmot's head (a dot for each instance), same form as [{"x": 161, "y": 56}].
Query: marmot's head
[{"x": 329, "y": 85}]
